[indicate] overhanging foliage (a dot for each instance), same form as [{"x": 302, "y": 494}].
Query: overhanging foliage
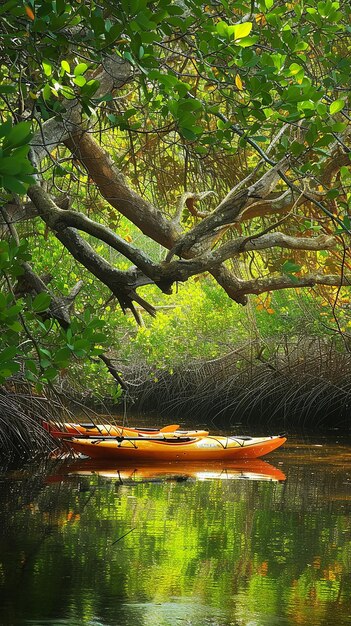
[{"x": 220, "y": 130}]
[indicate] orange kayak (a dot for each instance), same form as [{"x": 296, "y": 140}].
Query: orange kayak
[
  {"x": 67, "y": 429},
  {"x": 211, "y": 448}
]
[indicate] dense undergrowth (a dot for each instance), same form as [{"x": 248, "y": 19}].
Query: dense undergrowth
[
  {"x": 276, "y": 364},
  {"x": 303, "y": 386}
]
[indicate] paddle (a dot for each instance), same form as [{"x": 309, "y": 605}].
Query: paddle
[
  {"x": 96, "y": 438},
  {"x": 171, "y": 428},
  {"x": 145, "y": 434},
  {"x": 166, "y": 429}
]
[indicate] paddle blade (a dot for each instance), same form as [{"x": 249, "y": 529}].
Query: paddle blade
[{"x": 171, "y": 428}]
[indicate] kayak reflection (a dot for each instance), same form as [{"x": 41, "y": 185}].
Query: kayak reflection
[{"x": 253, "y": 469}]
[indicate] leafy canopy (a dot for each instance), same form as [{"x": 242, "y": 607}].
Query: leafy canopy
[{"x": 184, "y": 95}]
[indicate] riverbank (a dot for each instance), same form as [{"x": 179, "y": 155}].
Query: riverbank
[{"x": 291, "y": 387}]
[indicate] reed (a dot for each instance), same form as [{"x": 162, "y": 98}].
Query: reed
[{"x": 300, "y": 385}]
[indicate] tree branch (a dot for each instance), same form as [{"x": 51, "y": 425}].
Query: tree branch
[
  {"x": 184, "y": 268},
  {"x": 122, "y": 284},
  {"x": 275, "y": 283},
  {"x": 114, "y": 189},
  {"x": 228, "y": 210}
]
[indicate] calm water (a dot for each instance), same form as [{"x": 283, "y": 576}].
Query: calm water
[{"x": 252, "y": 545}]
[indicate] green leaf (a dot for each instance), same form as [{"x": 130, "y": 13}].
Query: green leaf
[
  {"x": 12, "y": 184},
  {"x": 79, "y": 80},
  {"x": 66, "y": 66},
  {"x": 128, "y": 57},
  {"x": 300, "y": 46},
  {"x": 31, "y": 366},
  {"x": 47, "y": 68},
  {"x": 9, "y": 368},
  {"x": 62, "y": 357},
  {"x": 222, "y": 29},
  {"x": 295, "y": 69},
  {"x": 5, "y": 128},
  {"x": 80, "y": 344},
  {"x": 90, "y": 88},
  {"x": 336, "y": 106},
  {"x": 41, "y": 302},
  {"x": 246, "y": 42},
  {"x": 290, "y": 267},
  {"x": 80, "y": 69},
  {"x": 68, "y": 92},
  {"x": 187, "y": 134},
  {"x": 50, "y": 373},
  {"x": 47, "y": 93},
  {"x": 8, "y": 88},
  {"x": 99, "y": 338},
  {"x": 8, "y": 353},
  {"x": 30, "y": 376},
  {"x": 7, "y": 6},
  {"x": 18, "y": 135},
  {"x": 321, "y": 109},
  {"x": 10, "y": 165},
  {"x": 15, "y": 326},
  {"x": 45, "y": 363},
  {"x": 339, "y": 127}
]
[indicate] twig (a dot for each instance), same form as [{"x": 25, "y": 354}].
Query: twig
[{"x": 122, "y": 537}]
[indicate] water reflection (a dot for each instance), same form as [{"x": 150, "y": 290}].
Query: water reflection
[
  {"x": 253, "y": 469},
  {"x": 88, "y": 545}
]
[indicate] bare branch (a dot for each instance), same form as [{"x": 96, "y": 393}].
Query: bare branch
[
  {"x": 122, "y": 284},
  {"x": 184, "y": 268},
  {"x": 188, "y": 200},
  {"x": 271, "y": 240},
  {"x": 114, "y": 189},
  {"x": 275, "y": 283},
  {"x": 228, "y": 210}
]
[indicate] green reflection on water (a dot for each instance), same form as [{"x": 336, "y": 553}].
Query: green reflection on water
[{"x": 218, "y": 553}]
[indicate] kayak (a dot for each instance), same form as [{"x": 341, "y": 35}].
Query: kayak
[
  {"x": 127, "y": 473},
  {"x": 210, "y": 448},
  {"x": 67, "y": 429}
]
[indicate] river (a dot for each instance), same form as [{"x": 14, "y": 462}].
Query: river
[{"x": 264, "y": 543}]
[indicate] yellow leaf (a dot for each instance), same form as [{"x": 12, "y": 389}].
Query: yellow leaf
[
  {"x": 128, "y": 238},
  {"x": 242, "y": 30},
  {"x": 29, "y": 12},
  {"x": 261, "y": 19},
  {"x": 239, "y": 82}
]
